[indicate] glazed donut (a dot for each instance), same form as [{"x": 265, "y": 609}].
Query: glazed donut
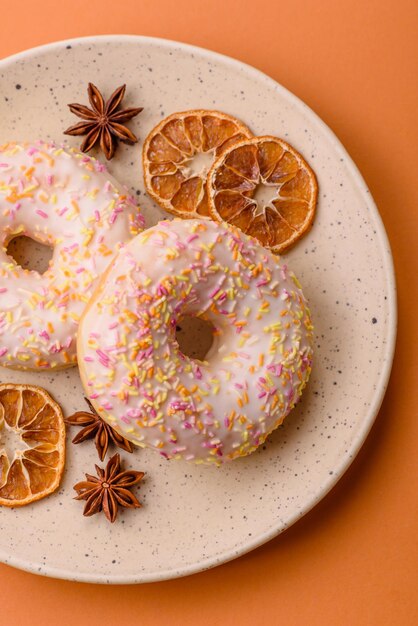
[
  {"x": 68, "y": 201},
  {"x": 255, "y": 371}
]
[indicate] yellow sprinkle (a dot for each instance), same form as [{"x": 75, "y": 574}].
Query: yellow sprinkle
[
  {"x": 23, "y": 357},
  {"x": 93, "y": 193},
  {"x": 297, "y": 283}
]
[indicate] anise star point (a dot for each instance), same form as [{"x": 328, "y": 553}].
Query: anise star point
[
  {"x": 103, "y": 123},
  {"x": 94, "y": 426},
  {"x": 109, "y": 490}
]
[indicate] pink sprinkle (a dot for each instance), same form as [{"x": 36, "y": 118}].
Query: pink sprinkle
[
  {"x": 139, "y": 220},
  {"x": 180, "y": 406},
  {"x": 93, "y": 396},
  {"x": 214, "y": 292},
  {"x": 276, "y": 369},
  {"x": 107, "y": 186},
  {"x": 192, "y": 238},
  {"x": 18, "y": 205},
  {"x": 102, "y": 355},
  {"x": 32, "y": 151},
  {"x": 49, "y": 179},
  {"x": 4, "y": 165},
  {"x": 89, "y": 359},
  {"x": 97, "y": 215},
  {"x": 45, "y": 335},
  {"x": 3, "y": 351},
  {"x": 3, "y": 289},
  {"x": 226, "y": 422},
  {"x": 113, "y": 325},
  {"x": 41, "y": 213},
  {"x": 290, "y": 393},
  {"x": 62, "y": 211},
  {"x": 80, "y": 270}
]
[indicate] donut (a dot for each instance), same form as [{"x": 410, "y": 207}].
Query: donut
[
  {"x": 66, "y": 200},
  {"x": 130, "y": 363}
]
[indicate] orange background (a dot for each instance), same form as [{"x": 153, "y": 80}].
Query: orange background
[{"x": 353, "y": 560}]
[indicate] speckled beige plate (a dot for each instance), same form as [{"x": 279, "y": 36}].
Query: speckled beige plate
[{"x": 195, "y": 518}]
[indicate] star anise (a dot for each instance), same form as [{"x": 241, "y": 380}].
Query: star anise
[
  {"x": 94, "y": 426},
  {"x": 109, "y": 490},
  {"x": 103, "y": 122}
]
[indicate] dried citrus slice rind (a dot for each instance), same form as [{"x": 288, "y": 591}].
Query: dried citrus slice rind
[
  {"x": 266, "y": 188},
  {"x": 32, "y": 444},
  {"x": 178, "y": 154}
]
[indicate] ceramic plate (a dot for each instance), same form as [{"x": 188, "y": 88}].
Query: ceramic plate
[{"x": 194, "y": 518}]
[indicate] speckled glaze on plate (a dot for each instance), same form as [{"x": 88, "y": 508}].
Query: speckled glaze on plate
[{"x": 194, "y": 518}]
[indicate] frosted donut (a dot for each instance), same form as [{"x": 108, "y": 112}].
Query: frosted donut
[
  {"x": 66, "y": 200},
  {"x": 255, "y": 371}
]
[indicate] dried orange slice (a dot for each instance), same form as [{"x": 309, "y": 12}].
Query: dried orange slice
[
  {"x": 266, "y": 188},
  {"x": 32, "y": 444},
  {"x": 178, "y": 154}
]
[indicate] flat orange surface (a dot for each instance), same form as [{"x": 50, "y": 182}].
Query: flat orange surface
[{"x": 353, "y": 560}]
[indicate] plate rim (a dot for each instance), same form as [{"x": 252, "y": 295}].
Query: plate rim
[{"x": 381, "y": 384}]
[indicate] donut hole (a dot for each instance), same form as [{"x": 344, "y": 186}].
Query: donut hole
[
  {"x": 194, "y": 336},
  {"x": 30, "y": 254}
]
